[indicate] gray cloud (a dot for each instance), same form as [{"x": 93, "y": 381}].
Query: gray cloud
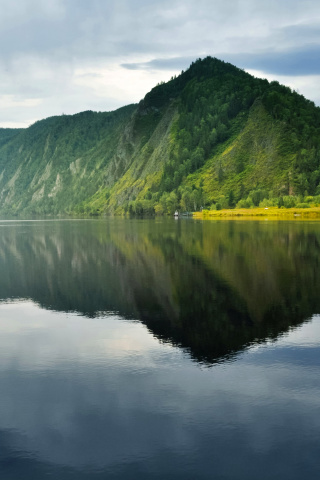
[
  {"x": 176, "y": 63},
  {"x": 305, "y": 61},
  {"x": 47, "y": 47},
  {"x": 81, "y": 29},
  {"x": 300, "y": 33}
]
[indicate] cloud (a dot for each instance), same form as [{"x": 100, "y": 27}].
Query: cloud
[
  {"x": 102, "y": 393},
  {"x": 46, "y": 43},
  {"x": 303, "y": 61},
  {"x": 176, "y": 63},
  {"x": 299, "y": 33}
]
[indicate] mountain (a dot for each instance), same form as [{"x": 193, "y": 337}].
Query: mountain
[{"x": 213, "y": 136}]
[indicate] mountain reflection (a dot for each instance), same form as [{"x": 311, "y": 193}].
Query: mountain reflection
[{"x": 212, "y": 288}]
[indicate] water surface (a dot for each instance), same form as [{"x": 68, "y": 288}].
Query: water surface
[{"x": 151, "y": 349}]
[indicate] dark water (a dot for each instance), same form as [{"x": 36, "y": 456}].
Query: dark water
[{"x": 159, "y": 350}]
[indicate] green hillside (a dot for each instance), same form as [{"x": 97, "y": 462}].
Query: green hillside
[{"x": 213, "y": 136}]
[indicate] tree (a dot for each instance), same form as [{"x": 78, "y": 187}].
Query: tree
[
  {"x": 196, "y": 199},
  {"x": 302, "y": 184},
  {"x": 172, "y": 203},
  {"x": 186, "y": 201},
  {"x": 231, "y": 199}
]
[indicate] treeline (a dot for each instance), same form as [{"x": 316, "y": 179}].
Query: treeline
[
  {"x": 260, "y": 198},
  {"x": 187, "y": 200}
]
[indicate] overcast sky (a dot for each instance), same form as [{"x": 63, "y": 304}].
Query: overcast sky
[{"x": 66, "y": 56}]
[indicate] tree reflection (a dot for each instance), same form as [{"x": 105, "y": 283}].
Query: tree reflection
[{"x": 212, "y": 288}]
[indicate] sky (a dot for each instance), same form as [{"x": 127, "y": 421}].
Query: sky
[{"x": 67, "y": 56}]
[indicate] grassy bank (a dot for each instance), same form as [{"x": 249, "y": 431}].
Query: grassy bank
[{"x": 272, "y": 212}]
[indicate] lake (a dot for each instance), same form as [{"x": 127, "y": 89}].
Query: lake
[{"x": 159, "y": 349}]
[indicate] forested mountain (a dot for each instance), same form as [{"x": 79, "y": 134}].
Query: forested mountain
[{"x": 213, "y": 136}]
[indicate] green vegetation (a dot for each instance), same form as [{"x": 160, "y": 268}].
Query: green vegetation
[
  {"x": 7, "y": 134},
  {"x": 58, "y": 162},
  {"x": 214, "y": 137}
]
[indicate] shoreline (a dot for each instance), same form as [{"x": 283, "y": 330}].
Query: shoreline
[{"x": 258, "y": 213}]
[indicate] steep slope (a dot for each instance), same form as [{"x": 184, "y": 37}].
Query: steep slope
[
  {"x": 212, "y": 135},
  {"x": 57, "y": 162},
  {"x": 254, "y": 158}
]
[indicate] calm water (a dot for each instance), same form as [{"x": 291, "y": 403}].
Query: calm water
[{"x": 159, "y": 349}]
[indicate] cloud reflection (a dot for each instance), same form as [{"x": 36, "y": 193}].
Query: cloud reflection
[{"x": 90, "y": 396}]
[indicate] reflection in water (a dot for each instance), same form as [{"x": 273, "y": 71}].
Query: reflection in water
[
  {"x": 87, "y": 393},
  {"x": 210, "y": 287},
  {"x": 95, "y": 398}
]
